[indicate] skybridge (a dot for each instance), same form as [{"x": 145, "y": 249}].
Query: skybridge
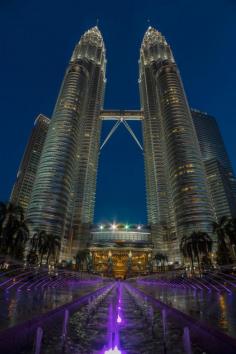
[
  {"x": 121, "y": 117},
  {"x": 118, "y": 114}
]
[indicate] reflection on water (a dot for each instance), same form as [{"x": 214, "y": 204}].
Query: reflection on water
[
  {"x": 17, "y": 306},
  {"x": 216, "y": 309}
]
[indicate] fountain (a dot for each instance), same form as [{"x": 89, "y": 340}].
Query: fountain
[
  {"x": 39, "y": 336},
  {"x": 113, "y": 331},
  {"x": 65, "y": 325},
  {"x": 163, "y": 312},
  {"x": 187, "y": 341}
]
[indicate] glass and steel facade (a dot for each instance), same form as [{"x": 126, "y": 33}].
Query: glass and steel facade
[
  {"x": 220, "y": 175},
  {"x": 177, "y": 193},
  {"x": 22, "y": 188},
  {"x": 63, "y": 197},
  {"x": 66, "y": 177}
]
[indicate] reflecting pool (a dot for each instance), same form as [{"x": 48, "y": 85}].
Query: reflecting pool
[
  {"x": 216, "y": 309},
  {"x": 19, "y": 306}
]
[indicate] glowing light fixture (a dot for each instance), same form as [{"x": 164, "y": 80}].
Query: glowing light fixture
[
  {"x": 126, "y": 227},
  {"x": 139, "y": 227},
  {"x": 101, "y": 227},
  {"x": 113, "y": 226},
  {"x": 119, "y": 319},
  {"x": 113, "y": 351}
]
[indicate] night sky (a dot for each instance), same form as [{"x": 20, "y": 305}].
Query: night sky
[{"x": 37, "y": 38}]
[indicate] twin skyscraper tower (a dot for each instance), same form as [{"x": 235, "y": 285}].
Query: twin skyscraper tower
[{"x": 63, "y": 196}]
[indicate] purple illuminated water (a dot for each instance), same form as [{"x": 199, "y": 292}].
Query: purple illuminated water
[{"x": 118, "y": 320}]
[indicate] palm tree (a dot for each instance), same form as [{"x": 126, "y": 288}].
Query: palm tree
[
  {"x": 32, "y": 257},
  {"x": 45, "y": 244},
  {"x": 89, "y": 261},
  {"x": 81, "y": 257},
  {"x": 109, "y": 265},
  {"x": 21, "y": 236},
  {"x": 13, "y": 229},
  {"x": 230, "y": 230},
  {"x": 186, "y": 248},
  {"x": 36, "y": 247},
  {"x": 52, "y": 244},
  {"x": 2, "y": 215},
  {"x": 38, "y": 244},
  {"x": 202, "y": 245},
  {"x": 195, "y": 245},
  {"x": 161, "y": 258},
  {"x": 223, "y": 256},
  {"x": 34, "y": 241}
]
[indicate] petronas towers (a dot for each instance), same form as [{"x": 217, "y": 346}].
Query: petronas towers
[
  {"x": 63, "y": 196},
  {"x": 177, "y": 195}
]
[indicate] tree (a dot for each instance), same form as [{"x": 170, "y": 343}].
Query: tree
[
  {"x": 43, "y": 245},
  {"x": 20, "y": 237},
  {"x": 197, "y": 244},
  {"x": 81, "y": 257},
  {"x": 13, "y": 229},
  {"x": 39, "y": 244},
  {"x": 150, "y": 265},
  {"x": 89, "y": 261},
  {"x": 206, "y": 262},
  {"x": 3, "y": 210},
  {"x": 32, "y": 258},
  {"x": 109, "y": 265},
  {"x": 52, "y": 245},
  {"x": 186, "y": 248},
  {"x": 230, "y": 230},
  {"x": 38, "y": 248},
  {"x": 202, "y": 245},
  {"x": 223, "y": 256},
  {"x": 161, "y": 258}
]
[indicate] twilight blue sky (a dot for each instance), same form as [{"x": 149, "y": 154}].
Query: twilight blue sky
[{"x": 36, "y": 40}]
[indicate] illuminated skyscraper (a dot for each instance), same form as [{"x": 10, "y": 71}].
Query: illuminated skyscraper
[
  {"x": 220, "y": 176},
  {"x": 22, "y": 189},
  {"x": 64, "y": 191},
  {"x": 63, "y": 197},
  {"x": 177, "y": 193}
]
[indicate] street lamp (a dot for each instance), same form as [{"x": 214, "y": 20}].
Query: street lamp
[{"x": 113, "y": 226}]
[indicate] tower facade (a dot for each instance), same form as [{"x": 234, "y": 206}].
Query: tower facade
[
  {"x": 22, "y": 188},
  {"x": 220, "y": 175},
  {"x": 66, "y": 176},
  {"x": 177, "y": 194},
  {"x": 178, "y": 198}
]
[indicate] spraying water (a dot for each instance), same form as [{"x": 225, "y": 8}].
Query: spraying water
[
  {"x": 115, "y": 320},
  {"x": 39, "y": 336},
  {"x": 187, "y": 341}
]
